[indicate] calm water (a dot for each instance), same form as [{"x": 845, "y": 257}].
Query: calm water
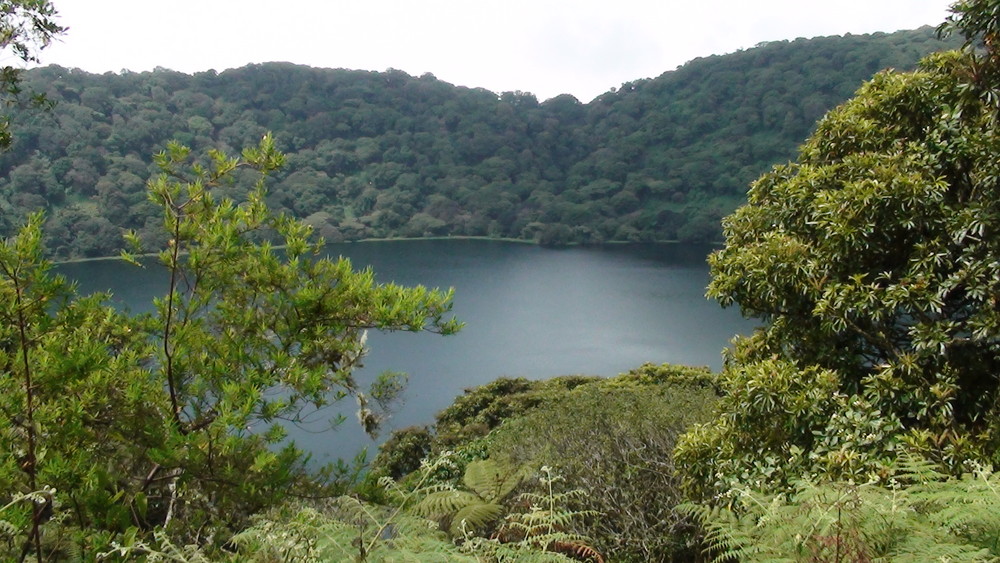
[{"x": 529, "y": 311}]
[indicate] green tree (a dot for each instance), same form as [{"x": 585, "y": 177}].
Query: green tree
[
  {"x": 168, "y": 421},
  {"x": 26, "y": 27},
  {"x": 873, "y": 262},
  {"x": 248, "y": 336},
  {"x": 74, "y": 407},
  {"x": 420, "y": 138}
]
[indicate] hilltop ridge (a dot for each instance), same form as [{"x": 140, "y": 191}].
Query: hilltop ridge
[{"x": 386, "y": 154}]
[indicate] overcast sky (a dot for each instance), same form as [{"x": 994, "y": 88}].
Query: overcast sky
[{"x": 548, "y": 47}]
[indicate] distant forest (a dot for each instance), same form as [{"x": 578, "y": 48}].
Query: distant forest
[{"x": 386, "y": 154}]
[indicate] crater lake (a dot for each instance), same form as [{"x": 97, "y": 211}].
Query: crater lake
[{"x": 529, "y": 312}]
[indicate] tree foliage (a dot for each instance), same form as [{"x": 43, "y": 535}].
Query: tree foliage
[
  {"x": 26, "y": 27},
  {"x": 76, "y": 405},
  {"x": 385, "y": 154},
  {"x": 873, "y": 262},
  {"x": 169, "y": 420}
]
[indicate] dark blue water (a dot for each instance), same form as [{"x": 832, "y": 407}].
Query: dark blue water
[{"x": 529, "y": 312}]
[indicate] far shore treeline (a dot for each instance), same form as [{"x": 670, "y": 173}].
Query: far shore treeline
[{"x": 386, "y": 154}]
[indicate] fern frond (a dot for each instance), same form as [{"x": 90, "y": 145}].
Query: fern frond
[
  {"x": 443, "y": 503},
  {"x": 934, "y": 519},
  {"x": 551, "y": 520},
  {"x": 577, "y": 550},
  {"x": 546, "y": 527},
  {"x": 473, "y": 518},
  {"x": 968, "y": 508},
  {"x": 161, "y": 548},
  {"x": 953, "y": 553},
  {"x": 918, "y": 469},
  {"x": 554, "y": 497},
  {"x": 345, "y": 529},
  {"x": 491, "y": 481},
  {"x": 493, "y": 551},
  {"x": 7, "y": 530}
]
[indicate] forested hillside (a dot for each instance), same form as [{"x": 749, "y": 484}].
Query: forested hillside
[{"x": 385, "y": 154}]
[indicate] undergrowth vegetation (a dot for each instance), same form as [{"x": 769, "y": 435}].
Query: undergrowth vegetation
[
  {"x": 921, "y": 514},
  {"x": 610, "y": 441}
]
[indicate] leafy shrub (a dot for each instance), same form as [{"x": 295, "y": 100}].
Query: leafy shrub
[
  {"x": 872, "y": 263},
  {"x": 481, "y": 409},
  {"x": 614, "y": 440},
  {"x": 777, "y": 423},
  {"x": 402, "y": 452},
  {"x": 665, "y": 374}
]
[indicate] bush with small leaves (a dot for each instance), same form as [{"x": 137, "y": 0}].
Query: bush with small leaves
[{"x": 615, "y": 440}]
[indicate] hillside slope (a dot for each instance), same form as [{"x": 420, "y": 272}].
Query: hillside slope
[{"x": 385, "y": 154}]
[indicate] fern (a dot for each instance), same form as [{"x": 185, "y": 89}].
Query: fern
[
  {"x": 728, "y": 533},
  {"x": 161, "y": 548},
  {"x": 474, "y": 517},
  {"x": 542, "y": 533},
  {"x": 920, "y": 516},
  {"x": 918, "y": 469},
  {"x": 473, "y": 510},
  {"x": 348, "y": 529},
  {"x": 491, "y": 481},
  {"x": 968, "y": 508},
  {"x": 443, "y": 503},
  {"x": 497, "y": 552},
  {"x": 345, "y": 529}
]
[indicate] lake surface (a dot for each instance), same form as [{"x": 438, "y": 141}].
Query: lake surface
[{"x": 529, "y": 312}]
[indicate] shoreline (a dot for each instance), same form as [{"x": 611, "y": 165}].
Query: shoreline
[{"x": 404, "y": 239}]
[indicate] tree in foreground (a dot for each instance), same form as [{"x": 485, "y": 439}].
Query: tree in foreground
[
  {"x": 115, "y": 425},
  {"x": 26, "y": 27},
  {"x": 874, "y": 262}
]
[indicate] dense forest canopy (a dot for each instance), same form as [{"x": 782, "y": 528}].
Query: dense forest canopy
[{"x": 386, "y": 154}]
